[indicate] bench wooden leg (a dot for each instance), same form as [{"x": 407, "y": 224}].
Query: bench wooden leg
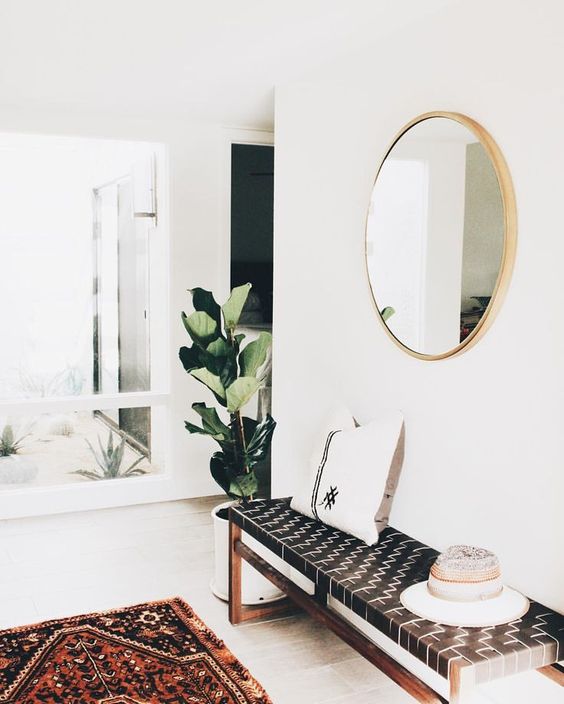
[
  {"x": 238, "y": 613},
  {"x": 235, "y": 604},
  {"x": 554, "y": 672}
]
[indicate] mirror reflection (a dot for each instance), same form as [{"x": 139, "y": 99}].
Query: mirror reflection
[{"x": 435, "y": 236}]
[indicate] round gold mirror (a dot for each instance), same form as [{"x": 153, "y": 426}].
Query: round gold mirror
[{"x": 440, "y": 235}]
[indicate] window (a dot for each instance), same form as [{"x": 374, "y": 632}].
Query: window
[{"x": 83, "y": 302}]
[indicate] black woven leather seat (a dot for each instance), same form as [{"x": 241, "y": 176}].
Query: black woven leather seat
[{"x": 369, "y": 581}]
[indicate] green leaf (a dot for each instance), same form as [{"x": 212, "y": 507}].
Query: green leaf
[
  {"x": 219, "y": 348},
  {"x": 109, "y": 460},
  {"x": 240, "y": 392},
  {"x": 233, "y": 307},
  {"x": 234, "y": 455},
  {"x": 387, "y": 313},
  {"x": 220, "y": 359},
  {"x": 87, "y": 474},
  {"x": 134, "y": 471},
  {"x": 254, "y": 355},
  {"x": 203, "y": 300},
  {"x": 100, "y": 462},
  {"x": 249, "y": 427},
  {"x": 190, "y": 358},
  {"x": 8, "y": 435},
  {"x": 201, "y": 328},
  {"x": 118, "y": 457},
  {"x": 244, "y": 485},
  {"x": 232, "y": 460},
  {"x": 195, "y": 429},
  {"x": 234, "y": 482},
  {"x": 257, "y": 446},
  {"x": 210, "y": 380},
  {"x": 10, "y": 444},
  {"x": 219, "y": 471},
  {"x": 211, "y": 421}
]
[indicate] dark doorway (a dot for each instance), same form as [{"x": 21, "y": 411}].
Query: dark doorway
[
  {"x": 252, "y": 199},
  {"x": 252, "y": 207}
]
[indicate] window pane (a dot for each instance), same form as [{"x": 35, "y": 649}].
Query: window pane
[
  {"x": 76, "y": 269},
  {"x": 75, "y": 447}
]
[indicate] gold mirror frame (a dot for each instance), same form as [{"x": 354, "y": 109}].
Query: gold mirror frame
[{"x": 509, "y": 237}]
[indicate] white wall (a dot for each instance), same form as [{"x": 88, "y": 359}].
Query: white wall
[
  {"x": 196, "y": 156},
  {"x": 484, "y": 430}
]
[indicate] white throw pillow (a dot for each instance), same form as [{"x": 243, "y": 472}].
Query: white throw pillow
[
  {"x": 340, "y": 419},
  {"x": 347, "y": 487}
]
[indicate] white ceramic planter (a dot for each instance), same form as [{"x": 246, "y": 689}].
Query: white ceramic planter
[
  {"x": 15, "y": 469},
  {"x": 256, "y": 589}
]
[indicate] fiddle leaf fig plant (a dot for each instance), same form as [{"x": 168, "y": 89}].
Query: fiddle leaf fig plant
[{"x": 233, "y": 373}]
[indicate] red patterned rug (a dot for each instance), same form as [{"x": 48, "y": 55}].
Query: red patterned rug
[{"x": 157, "y": 653}]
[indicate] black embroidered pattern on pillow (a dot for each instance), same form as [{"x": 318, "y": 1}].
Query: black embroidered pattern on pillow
[
  {"x": 315, "y": 492},
  {"x": 329, "y": 499}
]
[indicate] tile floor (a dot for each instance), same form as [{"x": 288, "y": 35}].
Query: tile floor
[{"x": 63, "y": 565}]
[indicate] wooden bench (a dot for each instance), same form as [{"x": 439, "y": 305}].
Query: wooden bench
[{"x": 368, "y": 581}]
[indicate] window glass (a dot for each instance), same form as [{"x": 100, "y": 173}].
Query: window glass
[
  {"x": 76, "y": 447},
  {"x": 76, "y": 269}
]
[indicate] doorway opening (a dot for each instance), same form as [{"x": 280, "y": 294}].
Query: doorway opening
[{"x": 252, "y": 245}]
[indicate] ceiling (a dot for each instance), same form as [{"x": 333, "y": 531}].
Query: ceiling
[{"x": 206, "y": 60}]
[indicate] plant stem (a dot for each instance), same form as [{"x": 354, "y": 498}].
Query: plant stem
[
  {"x": 237, "y": 421},
  {"x": 241, "y": 436}
]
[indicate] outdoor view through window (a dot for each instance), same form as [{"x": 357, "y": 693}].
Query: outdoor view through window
[{"x": 83, "y": 264}]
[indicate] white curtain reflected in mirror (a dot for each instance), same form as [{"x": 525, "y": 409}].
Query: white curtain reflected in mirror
[
  {"x": 435, "y": 236},
  {"x": 399, "y": 204}
]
